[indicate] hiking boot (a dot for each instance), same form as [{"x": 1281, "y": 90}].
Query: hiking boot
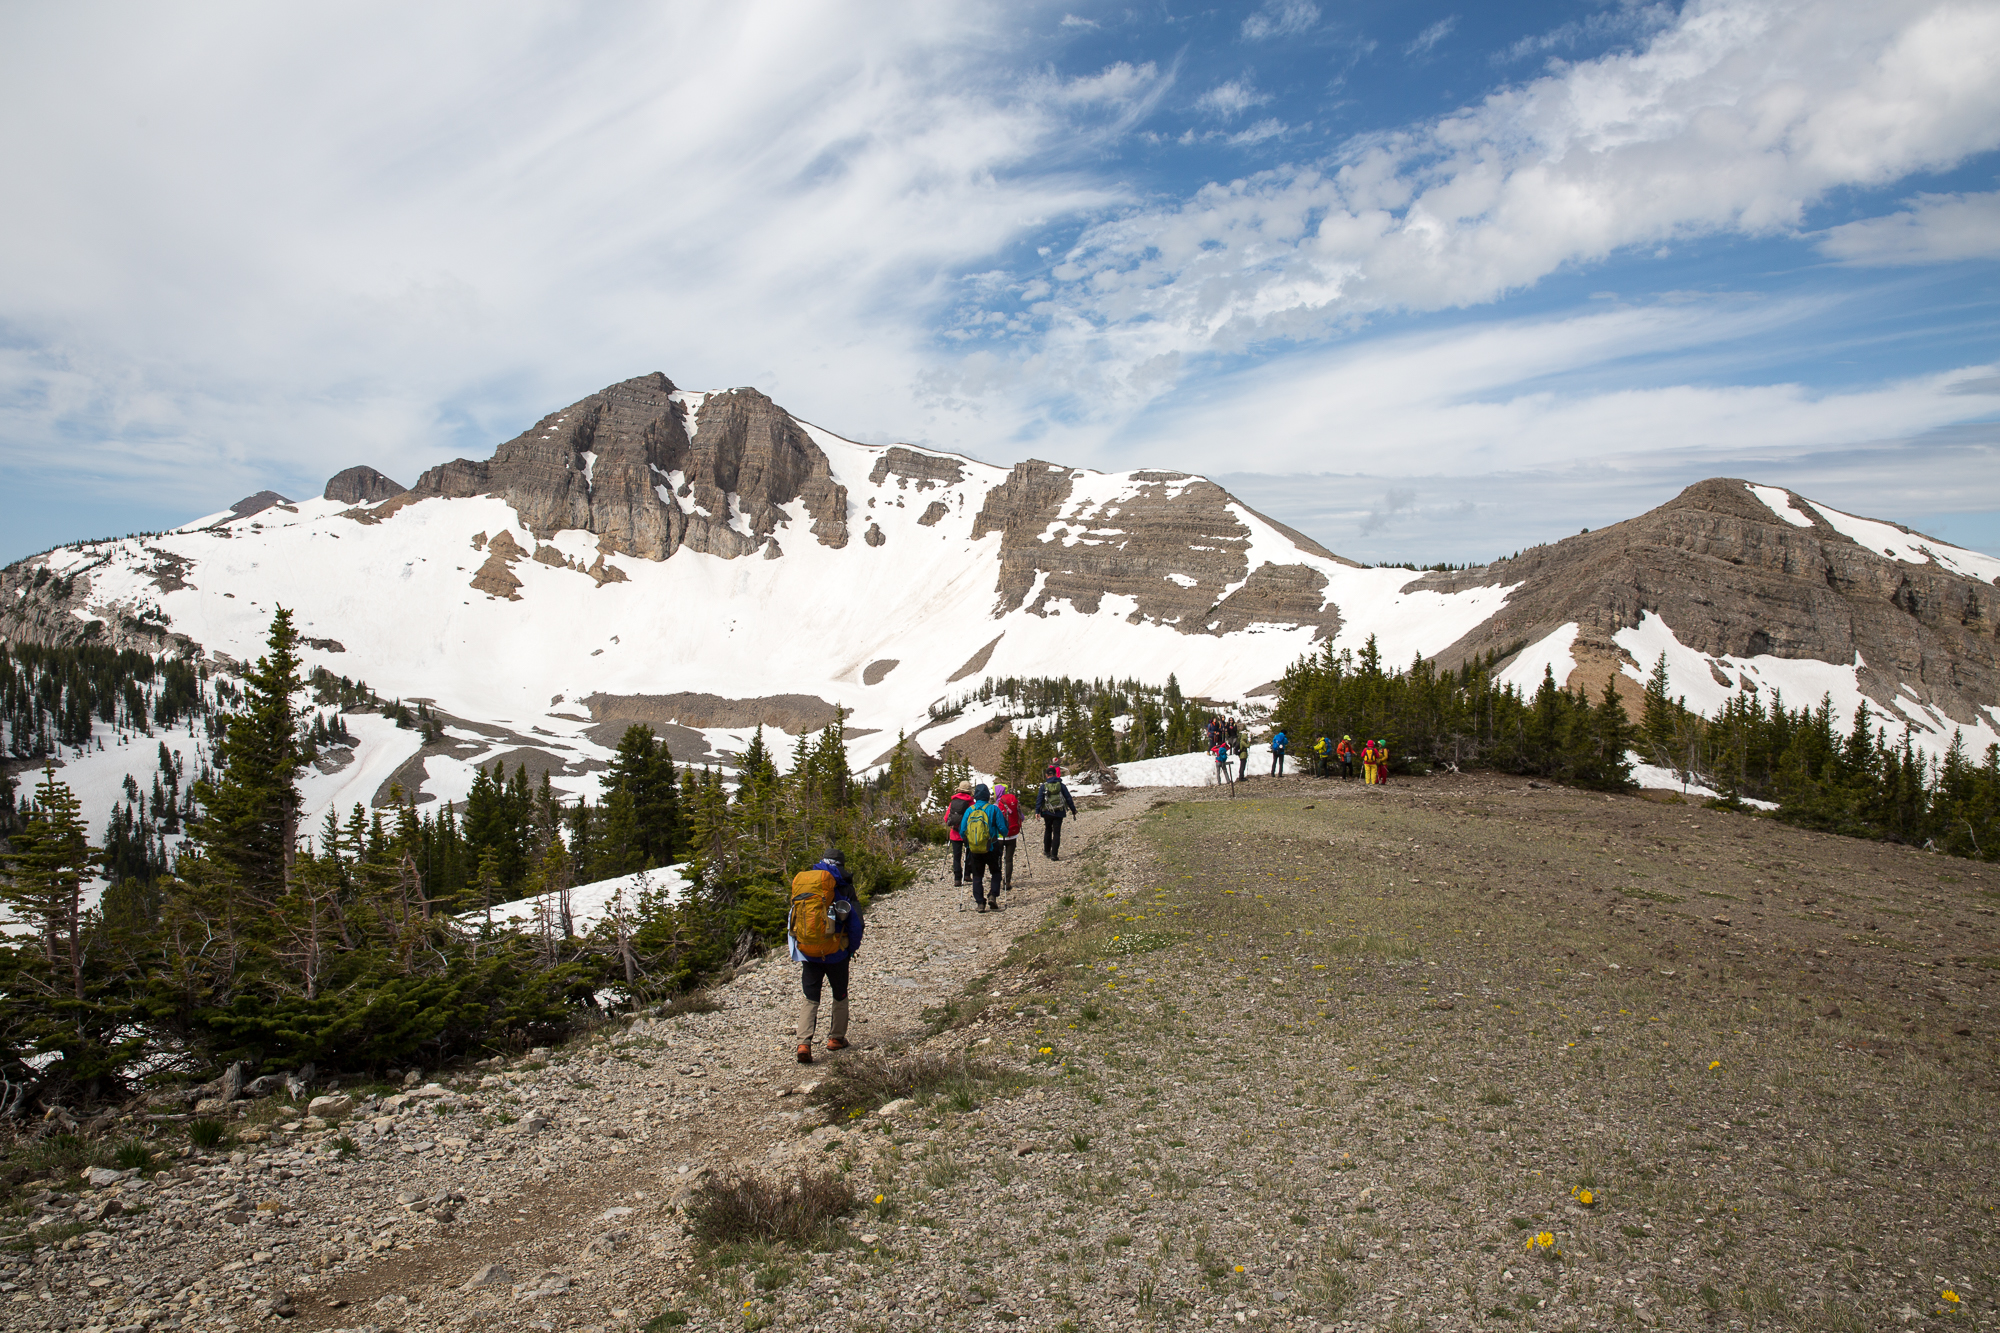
[
  {"x": 996, "y": 902},
  {"x": 982, "y": 904},
  {"x": 838, "y": 1043},
  {"x": 806, "y": 1052}
]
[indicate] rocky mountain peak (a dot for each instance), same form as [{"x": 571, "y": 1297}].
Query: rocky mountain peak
[
  {"x": 622, "y": 464},
  {"x": 361, "y": 486},
  {"x": 1740, "y": 571}
]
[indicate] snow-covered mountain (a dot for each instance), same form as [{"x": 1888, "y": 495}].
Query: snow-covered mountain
[{"x": 707, "y": 563}]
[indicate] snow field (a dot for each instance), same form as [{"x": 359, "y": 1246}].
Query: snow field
[
  {"x": 588, "y": 903},
  {"x": 1552, "y": 653}
]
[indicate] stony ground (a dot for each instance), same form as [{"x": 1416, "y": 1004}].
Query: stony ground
[{"x": 1460, "y": 1053}]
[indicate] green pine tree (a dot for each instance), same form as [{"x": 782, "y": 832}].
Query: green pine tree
[{"x": 250, "y": 816}]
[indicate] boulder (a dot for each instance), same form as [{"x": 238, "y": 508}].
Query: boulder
[{"x": 330, "y": 1107}]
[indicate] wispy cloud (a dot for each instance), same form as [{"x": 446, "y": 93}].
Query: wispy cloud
[
  {"x": 1934, "y": 229},
  {"x": 1226, "y": 101},
  {"x": 1431, "y": 36},
  {"x": 1713, "y": 128},
  {"x": 340, "y": 249},
  {"x": 1626, "y": 21},
  {"x": 1076, "y": 21},
  {"x": 1258, "y": 133},
  {"x": 1280, "y": 18}
]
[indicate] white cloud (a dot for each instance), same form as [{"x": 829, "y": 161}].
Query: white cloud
[
  {"x": 1258, "y": 133},
  {"x": 1733, "y": 121},
  {"x": 1074, "y": 21},
  {"x": 1431, "y": 36},
  {"x": 1937, "y": 228},
  {"x": 1280, "y": 18},
  {"x": 272, "y": 242},
  {"x": 1227, "y": 101},
  {"x": 269, "y": 243},
  {"x": 1520, "y": 395}
]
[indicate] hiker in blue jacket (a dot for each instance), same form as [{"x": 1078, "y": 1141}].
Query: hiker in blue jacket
[
  {"x": 982, "y": 826},
  {"x": 829, "y": 969},
  {"x": 1052, "y": 802},
  {"x": 1278, "y": 744}
]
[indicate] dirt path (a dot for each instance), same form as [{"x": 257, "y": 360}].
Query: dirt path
[{"x": 560, "y": 1171}]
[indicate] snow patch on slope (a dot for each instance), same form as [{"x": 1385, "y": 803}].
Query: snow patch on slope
[
  {"x": 1552, "y": 653},
  {"x": 1780, "y": 503},
  {"x": 589, "y": 903},
  {"x": 1909, "y": 547},
  {"x": 1797, "y": 682}
]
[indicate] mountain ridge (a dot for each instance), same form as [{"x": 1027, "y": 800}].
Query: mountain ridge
[{"x": 651, "y": 543}]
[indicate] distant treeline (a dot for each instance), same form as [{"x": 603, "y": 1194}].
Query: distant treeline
[
  {"x": 1432, "y": 717},
  {"x": 1867, "y": 782},
  {"x": 1087, "y": 724},
  {"x": 56, "y": 696}
]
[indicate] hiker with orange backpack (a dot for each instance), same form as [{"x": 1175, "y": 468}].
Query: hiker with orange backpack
[
  {"x": 1370, "y": 763},
  {"x": 824, "y": 927},
  {"x": 1382, "y": 762}
]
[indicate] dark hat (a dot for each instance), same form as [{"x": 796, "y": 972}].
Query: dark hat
[
  {"x": 834, "y": 858},
  {"x": 981, "y": 793}
]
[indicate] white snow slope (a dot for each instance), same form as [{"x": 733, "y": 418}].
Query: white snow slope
[
  {"x": 395, "y": 596},
  {"x": 391, "y": 604}
]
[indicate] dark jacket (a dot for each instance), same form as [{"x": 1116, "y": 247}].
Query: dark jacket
[
  {"x": 843, "y": 891},
  {"x": 1048, "y": 809},
  {"x": 954, "y": 814}
]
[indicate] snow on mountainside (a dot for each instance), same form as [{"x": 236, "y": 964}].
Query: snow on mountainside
[{"x": 706, "y": 563}]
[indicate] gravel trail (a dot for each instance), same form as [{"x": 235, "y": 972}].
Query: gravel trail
[{"x": 539, "y": 1194}]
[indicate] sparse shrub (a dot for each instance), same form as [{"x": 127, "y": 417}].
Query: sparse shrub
[
  {"x": 133, "y": 1155},
  {"x": 59, "y": 1153},
  {"x": 729, "y": 1209},
  {"x": 860, "y": 1085},
  {"x": 205, "y": 1134},
  {"x": 694, "y": 1002}
]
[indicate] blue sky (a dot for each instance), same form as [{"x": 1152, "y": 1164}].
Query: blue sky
[{"x": 1428, "y": 281}]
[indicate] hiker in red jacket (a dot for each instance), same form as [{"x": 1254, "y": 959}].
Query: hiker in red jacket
[
  {"x": 953, "y": 813},
  {"x": 1010, "y": 807}
]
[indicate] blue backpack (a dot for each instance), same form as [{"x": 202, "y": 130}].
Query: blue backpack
[{"x": 1278, "y": 743}]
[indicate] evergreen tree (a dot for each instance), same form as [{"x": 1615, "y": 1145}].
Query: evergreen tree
[
  {"x": 51, "y": 861},
  {"x": 249, "y": 822}
]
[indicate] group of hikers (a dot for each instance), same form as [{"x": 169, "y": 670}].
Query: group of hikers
[
  {"x": 1226, "y": 742},
  {"x": 825, "y": 926},
  {"x": 984, "y": 823},
  {"x": 1373, "y": 754}
]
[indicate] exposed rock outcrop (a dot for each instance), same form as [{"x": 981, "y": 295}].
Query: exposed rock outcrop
[
  {"x": 927, "y": 471},
  {"x": 1176, "y": 546},
  {"x": 257, "y": 504},
  {"x": 361, "y": 485},
  {"x": 620, "y": 464},
  {"x": 1733, "y": 579}
]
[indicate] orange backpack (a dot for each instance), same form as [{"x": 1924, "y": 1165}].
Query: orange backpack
[{"x": 813, "y": 925}]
